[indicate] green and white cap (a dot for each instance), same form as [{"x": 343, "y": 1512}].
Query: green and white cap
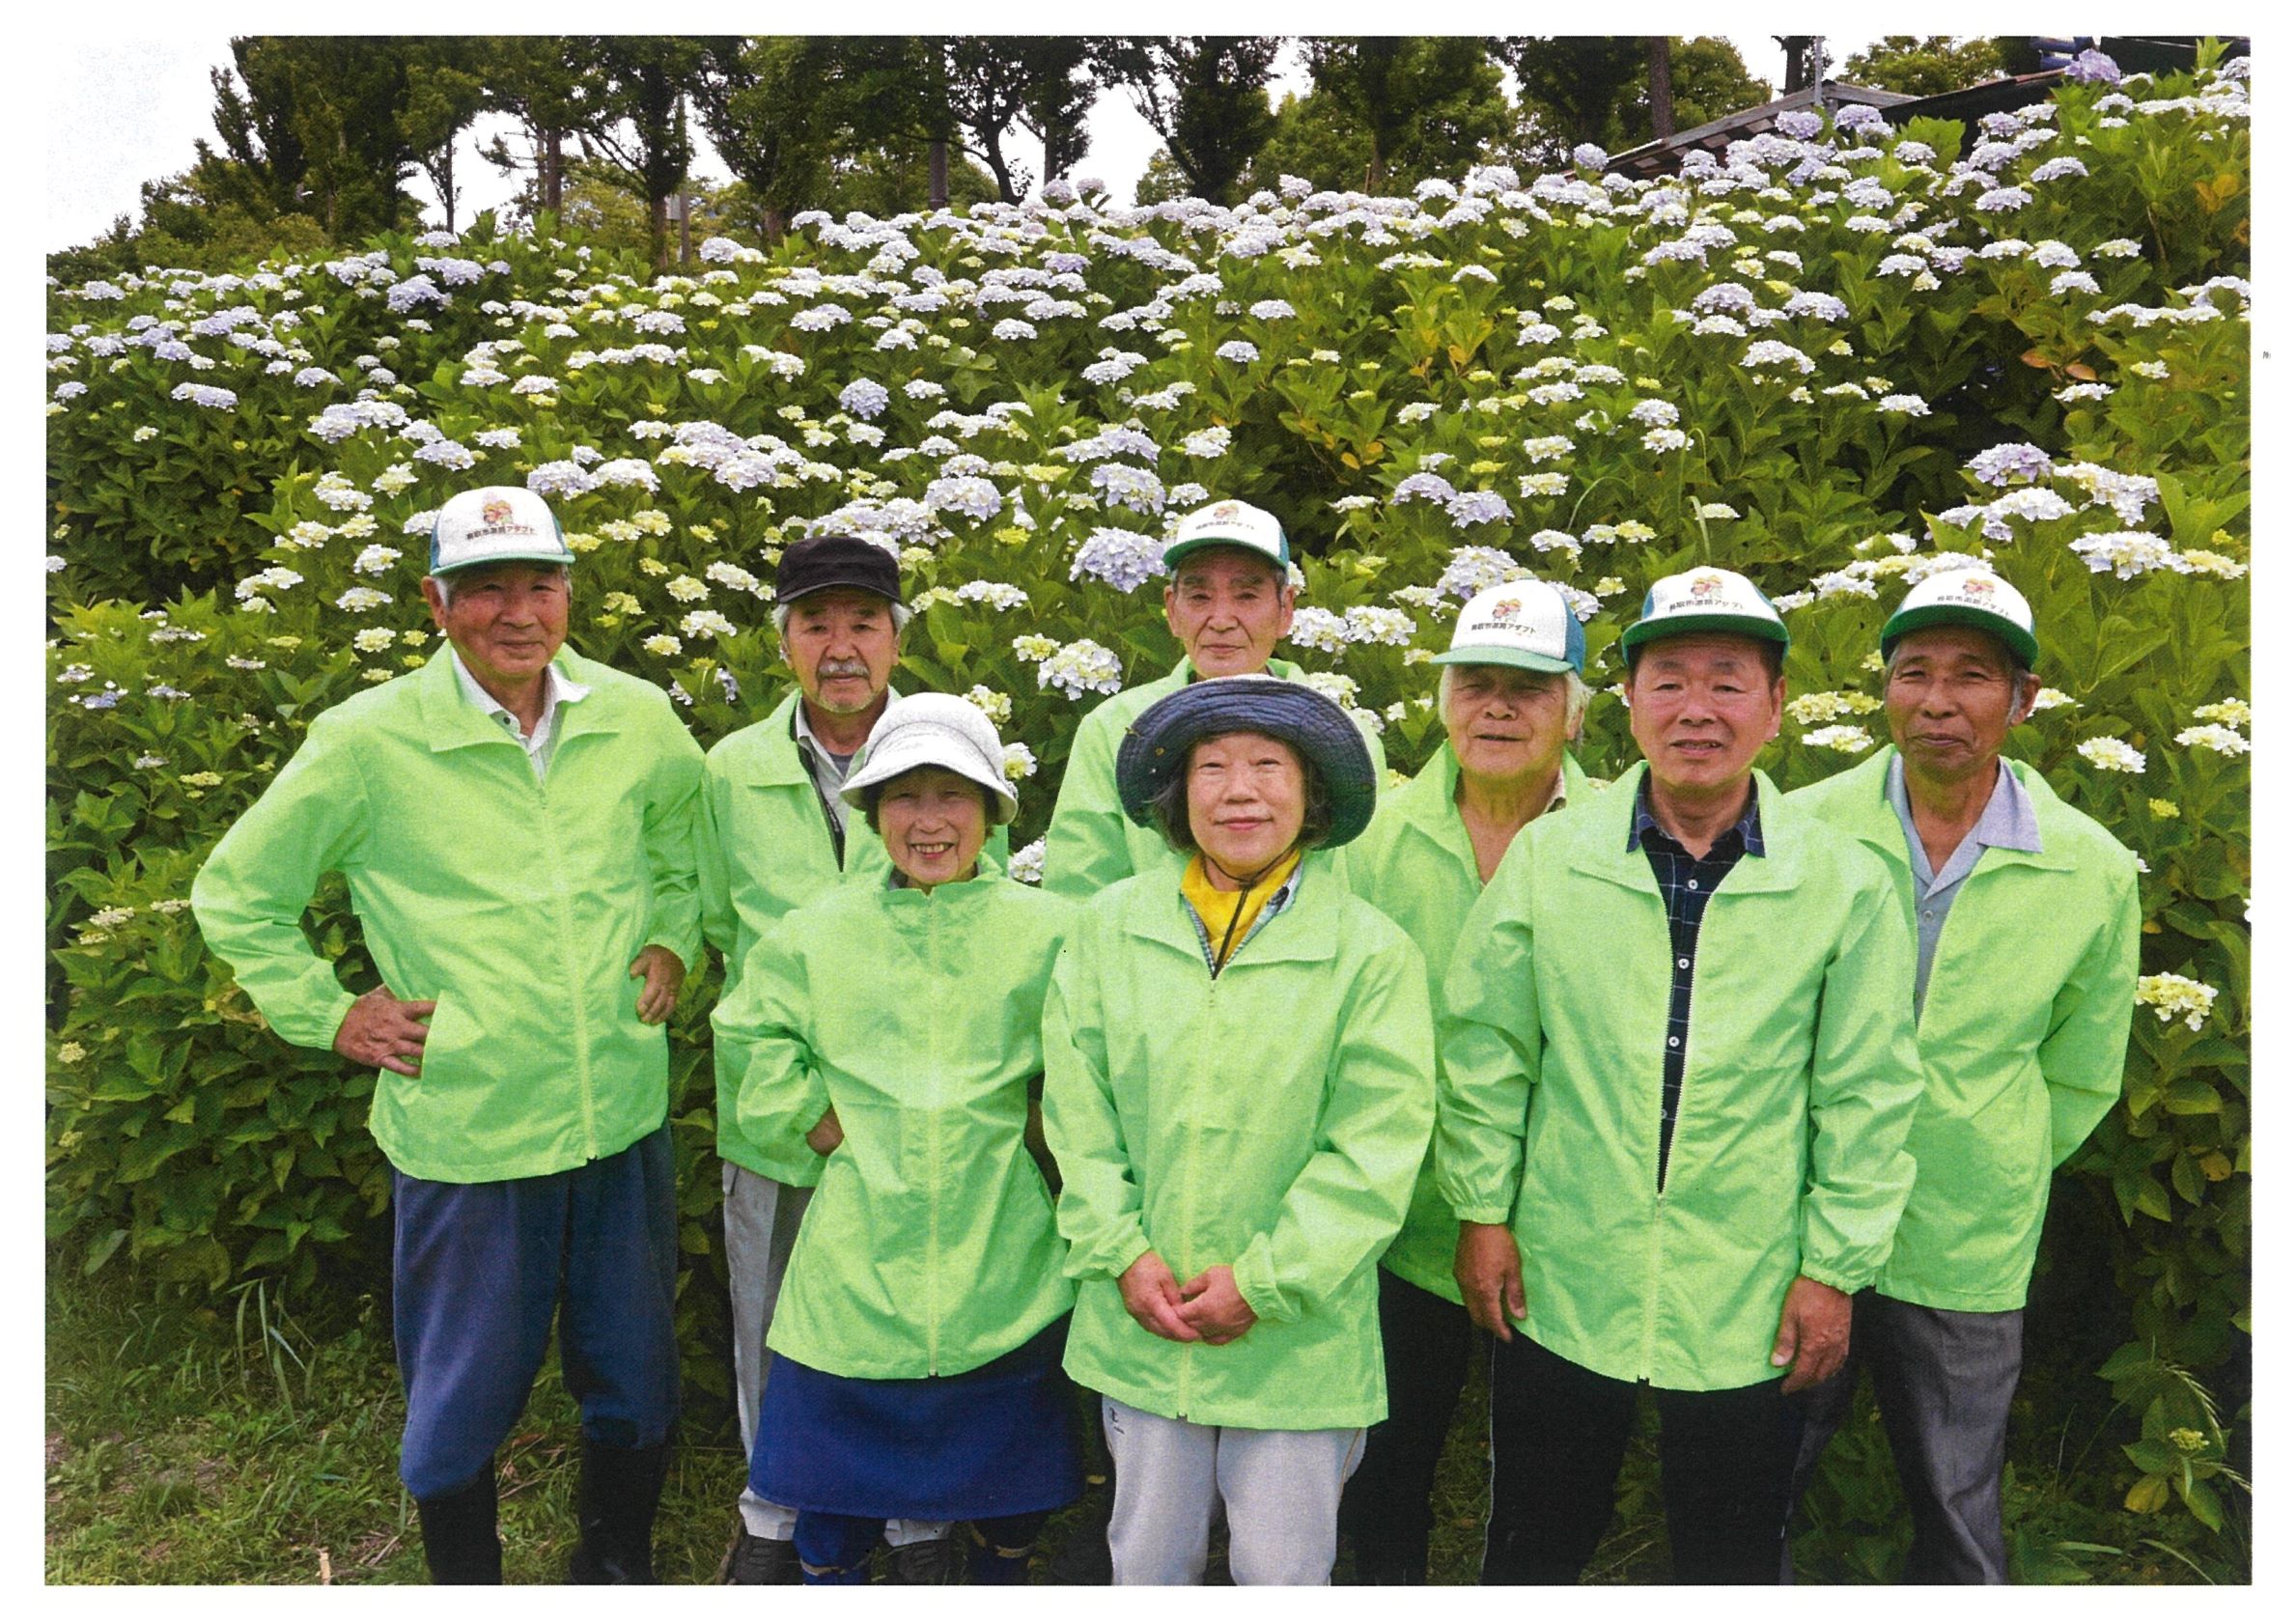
[
  {"x": 1230, "y": 523},
  {"x": 1705, "y": 599},
  {"x": 495, "y": 524},
  {"x": 1968, "y": 597},
  {"x": 1526, "y": 624}
]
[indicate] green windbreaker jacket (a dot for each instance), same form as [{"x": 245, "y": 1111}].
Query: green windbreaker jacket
[
  {"x": 2023, "y": 1034},
  {"x": 1416, "y": 865},
  {"x": 928, "y": 1247},
  {"x": 1269, "y": 1120},
  {"x": 1800, "y": 1083},
  {"x": 517, "y": 904}
]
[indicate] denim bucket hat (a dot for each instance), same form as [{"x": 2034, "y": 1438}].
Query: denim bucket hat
[{"x": 1157, "y": 744}]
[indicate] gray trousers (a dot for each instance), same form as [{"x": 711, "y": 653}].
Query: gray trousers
[{"x": 1942, "y": 1380}]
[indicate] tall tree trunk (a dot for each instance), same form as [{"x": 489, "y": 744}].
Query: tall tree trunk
[
  {"x": 658, "y": 228},
  {"x": 685, "y": 225},
  {"x": 1662, "y": 86},
  {"x": 936, "y": 175},
  {"x": 446, "y": 184},
  {"x": 772, "y": 224},
  {"x": 553, "y": 169},
  {"x": 1053, "y": 133}
]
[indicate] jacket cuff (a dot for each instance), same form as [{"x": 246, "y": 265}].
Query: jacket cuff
[
  {"x": 1847, "y": 1283},
  {"x": 1257, "y": 1283}
]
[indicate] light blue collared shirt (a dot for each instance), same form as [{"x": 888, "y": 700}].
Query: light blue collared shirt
[{"x": 2007, "y": 821}]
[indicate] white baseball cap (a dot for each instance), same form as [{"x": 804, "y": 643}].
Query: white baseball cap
[
  {"x": 1526, "y": 624},
  {"x": 934, "y": 730},
  {"x": 495, "y": 524},
  {"x": 1231, "y": 523},
  {"x": 1968, "y": 597},
  {"x": 1705, "y": 599}
]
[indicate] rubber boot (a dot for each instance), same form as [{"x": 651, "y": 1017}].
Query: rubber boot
[
  {"x": 615, "y": 1503},
  {"x": 994, "y": 1564},
  {"x": 929, "y": 1560},
  {"x": 459, "y": 1542}
]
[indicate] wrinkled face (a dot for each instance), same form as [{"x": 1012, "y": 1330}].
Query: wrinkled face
[
  {"x": 840, "y": 643},
  {"x": 1229, "y": 608},
  {"x": 1953, "y": 698},
  {"x": 505, "y": 619},
  {"x": 1701, "y": 707},
  {"x": 932, "y": 822},
  {"x": 1507, "y": 725},
  {"x": 1247, "y": 799}
]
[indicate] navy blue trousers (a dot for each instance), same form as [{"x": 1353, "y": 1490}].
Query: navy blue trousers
[{"x": 478, "y": 1271}]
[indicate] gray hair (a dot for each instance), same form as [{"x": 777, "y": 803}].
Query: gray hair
[
  {"x": 446, "y": 581},
  {"x": 902, "y": 615},
  {"x": 2019, "y": 671},
  {"x": 1574, "y": 695}
]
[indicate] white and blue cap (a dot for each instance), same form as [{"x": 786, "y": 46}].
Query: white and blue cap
[
  {"x": 496, "y": 524},
  {"x": 1526, "y": 624},
  {"x": 1705, "y": 599},
  {"x": 1231, "y": 523}
]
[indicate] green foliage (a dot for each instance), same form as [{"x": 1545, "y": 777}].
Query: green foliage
[
  {"x": 1569, "y": 365},
  {"x": 1414, "y": 106},
  {"x": 1926, "y": 65},
  {"x": 1205, "y": 95}
]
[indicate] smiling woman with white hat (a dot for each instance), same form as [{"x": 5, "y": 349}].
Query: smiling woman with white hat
[
  {"x": 896, "y": 1029},
  {"x": 1239, "y": 1088}
]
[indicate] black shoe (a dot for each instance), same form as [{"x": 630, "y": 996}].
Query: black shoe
[
  {"x": 929, "y": 1560},
  {"x": 459, "y": 1542},
  {"x": 763, "y": 1561},
  {"x": 615, "y": 1505}
]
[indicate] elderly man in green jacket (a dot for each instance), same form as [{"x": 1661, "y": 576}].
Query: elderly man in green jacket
[
  {"x": 1512, "y": 699},
  {"x": 2027, "y": 920},
  {"x": 1229, "y": 603},
  {"x": 1678, "y": 1070},
  {"x": 515, "y": 825}
]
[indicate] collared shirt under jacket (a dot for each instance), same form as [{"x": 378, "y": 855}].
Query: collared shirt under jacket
[
  {"x": 1416, "y": 864},
  {"x": 928, "y": 1247},
  {"x": 1802, "y": 1079},
  {"x": 766, "y": 849},
  {"x": 1090, "y": 844},
  {"x": 516, "y": 902},
  {"x": 2024, "y": 1033},
  {"x": 1269, "y": 1121}
]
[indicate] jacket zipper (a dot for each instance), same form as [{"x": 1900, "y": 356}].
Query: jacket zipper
[
  {"x": 1658, "y": 1210},
  {"x": 1195, "y": 1140},
  {"x": 932, "y": 1150},
  {"x": 581, "y": 1003}
]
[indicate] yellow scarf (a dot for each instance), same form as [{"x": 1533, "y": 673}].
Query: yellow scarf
[{"x": 1229, "y": 915}]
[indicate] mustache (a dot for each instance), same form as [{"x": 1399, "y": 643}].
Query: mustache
[{"x": 841, "y": 667}]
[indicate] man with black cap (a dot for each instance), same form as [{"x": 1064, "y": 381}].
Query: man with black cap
[
  {"x": 509, "y": 819},
  {"x": 774, "y": 838}
]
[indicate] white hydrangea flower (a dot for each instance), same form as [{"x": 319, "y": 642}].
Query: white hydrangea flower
[
  {"x": 2176, "y": 997},
  {"x": 1847, "y": 739},
  {"x": 2111, "y": 755},
  {"x": 2222, "y": 740}
]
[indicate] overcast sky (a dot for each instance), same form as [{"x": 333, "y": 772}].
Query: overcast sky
[{"x": 124, "y": 108}]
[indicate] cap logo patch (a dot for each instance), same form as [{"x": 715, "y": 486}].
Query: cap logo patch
[
  {"x": 1705, "y": 585},
  {"x": 1978, "y": 587},
  {"x": 495, "y": 512},
  {"x": 1226, "y": 510},
  {"x": 1505, "y": 609}
]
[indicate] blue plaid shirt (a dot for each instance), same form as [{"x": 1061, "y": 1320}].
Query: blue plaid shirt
[{"x": 1687, "y": 884}]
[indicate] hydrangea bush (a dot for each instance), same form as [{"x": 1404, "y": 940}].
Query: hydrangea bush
[{"x": 1837, "y": 358}]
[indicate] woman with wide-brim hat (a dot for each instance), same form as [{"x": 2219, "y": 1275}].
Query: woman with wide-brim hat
[
  {"x": 916, "y": 1378},
  {"x": 1239, "y": 1089}
]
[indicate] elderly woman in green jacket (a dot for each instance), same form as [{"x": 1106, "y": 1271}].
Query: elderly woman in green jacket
[
  {"x": 1512, "y": 698},
  {"x": 1239, "y": 1091},
  {"x": 895, "y": 1028}
]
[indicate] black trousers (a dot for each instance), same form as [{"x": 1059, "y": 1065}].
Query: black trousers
[
  {"x": 1386, "y": 1512},
  {"x": 1558, "y": 1435}
]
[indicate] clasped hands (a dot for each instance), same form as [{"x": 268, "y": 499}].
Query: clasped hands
[{"x": 1206, "y": 1308}]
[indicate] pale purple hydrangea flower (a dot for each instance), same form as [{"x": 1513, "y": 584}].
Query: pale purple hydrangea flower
[
  {"x": 864, "y": 398},
  {"x": 976, "y": 498},
  {"x": 2014, "y": 460},
  {"x": 1587, "y": 155},
  {"x": 1800, "y": 123},
  {"x": 1120, "y": 558},
  {"x": 1121, "y": 485},
  {"x": 1240, "y": 350},
  {"x": 560, "y": 479},
  {"x": 203, "y": 394},
  {"x": 1471, "y": 569},
  {"x": 1422, "y": 487},
  {"x": 2003, "y": 200},
  {"x": 1477, "y": 507},
  {"x": 2093, "y": 68}
]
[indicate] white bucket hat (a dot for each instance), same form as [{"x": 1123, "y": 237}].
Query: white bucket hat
[
  {"x": 495, "y": 524},
  {"x": 934, "y": 730},
  {"x": 1526, "y": 624}
]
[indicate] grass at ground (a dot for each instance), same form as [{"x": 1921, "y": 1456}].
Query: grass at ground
[{"x": 256, "y": 1443}]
